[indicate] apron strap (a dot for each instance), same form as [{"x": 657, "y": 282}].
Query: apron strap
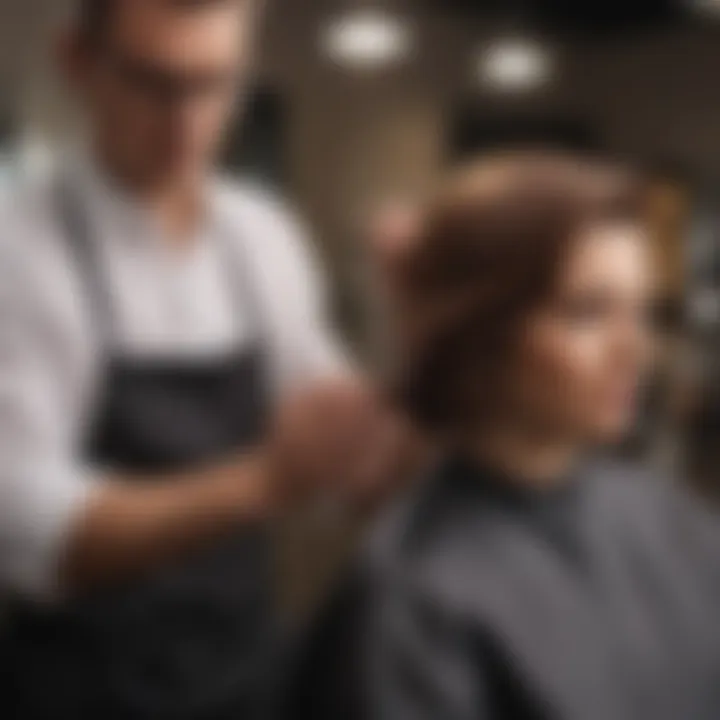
[
  {"x": 78, "y": 238},
  {"x": 235, "y": 258}
]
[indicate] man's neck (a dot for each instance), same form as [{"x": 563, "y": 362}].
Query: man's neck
[
  {"x": 178, "y": 212},
  {"x": 176, "y": 205}
]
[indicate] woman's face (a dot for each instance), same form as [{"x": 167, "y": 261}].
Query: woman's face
[{"x": 581, "y": 356}]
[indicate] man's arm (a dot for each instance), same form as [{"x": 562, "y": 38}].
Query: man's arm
[
  {"x": 128, "y": 527},
  {"x": 63, "y": 529}
]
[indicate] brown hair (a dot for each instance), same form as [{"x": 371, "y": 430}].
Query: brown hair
[
  {"x": 94, "y": 16},
  {"x": 488, "y": 253}
]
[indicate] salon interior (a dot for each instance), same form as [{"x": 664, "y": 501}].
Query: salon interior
[{"x": 359, "y": 101}]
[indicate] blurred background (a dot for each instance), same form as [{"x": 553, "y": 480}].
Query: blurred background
[{"x": 358, "y": 101}]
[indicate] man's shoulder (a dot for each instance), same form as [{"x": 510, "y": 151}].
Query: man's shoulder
[
  {"x": 33, "y": 253},
  {"x": 25, "y": 203},
  {"x": 27, "y": 222},
  {"x": 271, "y": 234},
  {"x": 258, "y": 208}
]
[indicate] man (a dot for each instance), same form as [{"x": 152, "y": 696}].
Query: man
[{"x": 153, "y": 319}]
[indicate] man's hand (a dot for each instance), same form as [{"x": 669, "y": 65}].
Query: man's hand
[{"x": 336, "y": 440}]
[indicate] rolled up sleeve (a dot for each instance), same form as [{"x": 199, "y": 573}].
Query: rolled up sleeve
[
  {"x": 306, "y": 346},
  {"x": 39, "y": 506},
  {"x": 42, "y": 489}
]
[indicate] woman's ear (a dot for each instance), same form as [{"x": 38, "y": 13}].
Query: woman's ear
[
  {"x": 393, "y": 235},
  {"x": 393, "y": 238}
]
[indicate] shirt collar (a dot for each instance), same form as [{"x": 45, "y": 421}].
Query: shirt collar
[
  {"x": 112, "y": 210},
  {"x": 490, "y": 481}
]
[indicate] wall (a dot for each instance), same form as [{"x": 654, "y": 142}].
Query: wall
[{"x": 355, "y": 138}]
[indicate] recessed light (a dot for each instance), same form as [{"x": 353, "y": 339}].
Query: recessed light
[
  {"x": 367, "y": 39},
  {"x": 515, "y": 65}
]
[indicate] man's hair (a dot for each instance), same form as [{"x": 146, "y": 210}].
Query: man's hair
[{"x": 94, "y": 16}]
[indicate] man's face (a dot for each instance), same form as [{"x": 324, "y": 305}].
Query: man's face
[{"x": 161, "y": 83}]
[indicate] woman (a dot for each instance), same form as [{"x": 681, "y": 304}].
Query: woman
[{"x": 525, "y": 577}]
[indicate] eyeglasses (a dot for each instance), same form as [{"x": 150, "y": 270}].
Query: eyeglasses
[{"x": 168, "y": 85}]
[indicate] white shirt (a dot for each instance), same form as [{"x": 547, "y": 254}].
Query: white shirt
[{"x": 165, "y": 301}]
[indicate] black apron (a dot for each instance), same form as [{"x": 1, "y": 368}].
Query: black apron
[{"x": 194, "y": 640}]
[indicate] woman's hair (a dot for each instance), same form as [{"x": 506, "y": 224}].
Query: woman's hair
[{"x": 487, "y": 254}]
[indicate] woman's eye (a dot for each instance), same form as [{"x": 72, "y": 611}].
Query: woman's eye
[
  {"x": 592, "y": 310},
  {"x": 586, "y": 310}
]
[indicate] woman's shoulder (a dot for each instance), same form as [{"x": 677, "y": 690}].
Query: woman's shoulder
[
  {"x": 658, "y": 517},
  {"x": 636, "y": 492},
  {"x": 423, "y": 542},
  {"x": 411, "y": 517},
  {"x": 627, "y": 487}
]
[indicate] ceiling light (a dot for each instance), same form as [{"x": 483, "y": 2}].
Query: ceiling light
[
  {"x": 367, "y": 39},
  {"x": 515, "y": 65}
]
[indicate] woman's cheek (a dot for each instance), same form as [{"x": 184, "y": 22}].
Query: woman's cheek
[{"x": 563, "y": 373}]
